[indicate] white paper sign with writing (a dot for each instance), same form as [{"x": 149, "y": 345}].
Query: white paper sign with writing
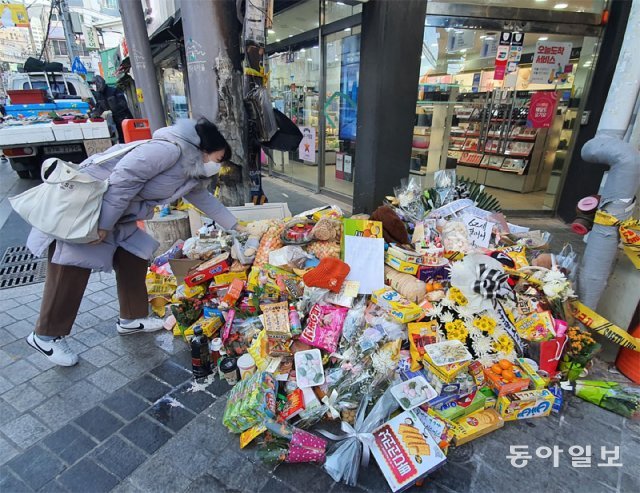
[
  {"x": 549, "y": 61},
  {"x": 479, "y": 230}
]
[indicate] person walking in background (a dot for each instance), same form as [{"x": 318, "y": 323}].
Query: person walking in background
[
  {"x": 177, "y": 163},
  {"x": 111, "y": 99}
]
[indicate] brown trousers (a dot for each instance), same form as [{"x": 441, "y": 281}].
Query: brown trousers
[{"x": 65, "y": 285}]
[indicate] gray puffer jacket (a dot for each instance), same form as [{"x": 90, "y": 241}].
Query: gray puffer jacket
[{"x": 163, "y": 170}]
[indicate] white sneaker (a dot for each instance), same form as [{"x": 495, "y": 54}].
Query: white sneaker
[
  {"x": 140, "y": 325},
  {"x": 57, "y": 350}
]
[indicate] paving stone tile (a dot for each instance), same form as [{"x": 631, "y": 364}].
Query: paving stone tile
[
  {"x": 51, "y": 382},
  {"x": 87, "y": 304},
  {"x": 87, "y": 320},
  {"x": 76, "y": 346},
  {"x": 8, "y": 305},
  {"x": 6, "y": 319},
  {"x": 118, "y": 345},
  {"x": 233, "y": 470},
  {"x": 21, "y": 370},
  {"x": 19, "y": 330},
  {"x": 99, "y": 423},
  {"x": 191, "y": 464},
  {"x": 149, "y": 387},
  {"x": 127, "y": 487},
  {"x": 7, "y": 413},
  {"x": 99, "y": 356},
  {"x": 21, "y": 312},
  {"x": 77, "y": 372},
  {"x": 96, "y": 285},
  {"x": 190, "y": 396},
  {"x": 183, "y": 359},
  {"x": 6, "y": 358},
  {"x": 159, "y": 474},
  {"x": 108, "y": 379},
  {"x": 36, "y": 467},
  {"x": 10, "y": 483},
  {"x": 206, "y": 482},
  {"x": 5, "y": 385},
  {"x": 25, "y": 430},
  {"x": 171, "y": 373},
  {"x": 206, "y": 433},
  {"x": 7, "y": 452},
  {"x": 170, "y": 413},
  {"x": 69, "y": 443},
  {"x": 273, "y": 485},
  {"x": 40, "y": 361},
  {"x": 100, "y": 298},
  {"x": 146, "y": 434},
  {"x": 31, "y": 300},
  {"x": 84, "y": 394},
  {"x": 125, "y": 404},
  {"x": 75, "y": 400},
  {"x": 104, "y": 312},
  {"x": 54, "y": 487},
  {"x": 6, "y": 337},
  {"x": 87, "y": 472},
  {"x": 119, "y": 457},
  {"x": 23, "y": 397},
  {"x": 170, "y": 344},
  {"x": 218, "y": 387},
  {"x": 19, "y": 349},
  {"x": 134, "y": 365},
  {"x": 90, "y": 337},
  {"x": 108, "y": 328}
]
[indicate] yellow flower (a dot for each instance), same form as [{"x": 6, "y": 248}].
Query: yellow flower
[
  {"x": 503, "y": 344},
  {"x": 485, "y": 324},
  {"x": 456, "y": 330},
  {"x": 457, "y": 297}
]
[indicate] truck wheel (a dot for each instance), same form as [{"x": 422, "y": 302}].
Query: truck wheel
[{"x": 24, "y": 174}]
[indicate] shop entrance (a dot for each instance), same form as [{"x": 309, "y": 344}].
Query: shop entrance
[{"x": 500, "y": 98}]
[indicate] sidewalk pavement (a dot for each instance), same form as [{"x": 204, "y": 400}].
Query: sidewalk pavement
[{"x": 128, "y": 418}]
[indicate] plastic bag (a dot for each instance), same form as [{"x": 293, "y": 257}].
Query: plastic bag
[
  {"x": 455, "y": 237},
  {"x": 445, "y": 186},
  {"x": 620, "y": 398},
  {"x": 567, "y": 261},
  {"x": 343, "y": 464},
  {"x": 355, "y": 320},
  {"x": 291, "y": 256},
  {"x": 409, "y": 196}
]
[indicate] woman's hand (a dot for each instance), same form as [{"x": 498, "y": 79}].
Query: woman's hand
[{"x": 102, "y": 234}]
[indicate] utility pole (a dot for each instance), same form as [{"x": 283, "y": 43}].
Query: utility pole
[
  {"x": 144, "y": 71},
  {"x": 69, "y": 36}
]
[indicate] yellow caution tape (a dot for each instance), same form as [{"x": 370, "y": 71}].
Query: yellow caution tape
[
  {"x": 453, "y": 256},
  {"x": 257, "y": 73},
  {"x": 524, "y": 277},
  {"x": 629, "y": 234},
  {"x": 602, "y": 326}
]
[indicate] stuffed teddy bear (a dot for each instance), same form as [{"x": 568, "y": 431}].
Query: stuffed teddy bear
[
  {"x": 327, "y": 229},
  {"x": 245, "y": 252},
  {"x": 393, "y": 229}
]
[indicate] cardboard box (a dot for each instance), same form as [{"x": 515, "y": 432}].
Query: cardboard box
[
  {"x": 446, "y": 373},
  {"x": 462, "y": 407},
  {"x": 406, "y": 255},
  {"x": 476, "y": 425},
  {"x": 396, "y": 305},
  {"x": 206, "y": 271},
  {"x": 228, "y": 278},
  {"x": 249, "y": 212},
  {"x": 181, "y": 267},
  {"x": 400, "y": 265},
  {"x": 536, "y": 380},
  {"x": 527, "y": 404},
  {"x": 500, "y": 387},
  {"x": 405, "y": 451}
]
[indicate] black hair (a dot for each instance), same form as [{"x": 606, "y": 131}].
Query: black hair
[{"x": 211, "y": 140}]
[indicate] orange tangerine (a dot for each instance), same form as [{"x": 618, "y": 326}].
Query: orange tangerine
[
  {"x": 508, "y": 376},
  {"x": 505, "y": 364},
  {"x": 496, "y": 369}
]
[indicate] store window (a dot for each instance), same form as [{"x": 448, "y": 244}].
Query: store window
[
  {"x": 508, "y": 126},
  {"x": 336, "y": 10},
  {"x": 173, "y": 90},
  {"x": 340, "y": 109},
  {"x": 590, "y": 6}
]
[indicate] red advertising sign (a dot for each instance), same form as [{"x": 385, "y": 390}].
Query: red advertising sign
[
  {"x": 542, "y": 109},
  {"x": 502, "y": 55}
]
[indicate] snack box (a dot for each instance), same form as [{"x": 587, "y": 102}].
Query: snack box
[
  {"x": 536, "y": 327},
  {"x": 501, "y": 387},
  {"x": 228, "y": 277},
  {"x": 359, "y": 227},
  {"x": 208, "y": 270},
  {"x": 475, "y": 425},
  {"x": 490, "y": 398},
  {"x": 400, "y": 265},
  {"x": 440, "y": 386},
  {"x": 250, "y": 402},
  {"x": 440, "y": 429},
  {"x": 438, "y": 273},
  {"x": 404, "y": 255},
  {"x": 396, "y": 305},
  {"x": 462, "y": 407},
  {"x": 446, "y": 373},
  {"x": 536, "y": 380},
  {"x": 405, "y": 451},
  {"x": 527, "y": 404}
]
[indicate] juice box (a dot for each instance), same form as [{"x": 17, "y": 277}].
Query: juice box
[
  {"x": 536, "y": 380},
  {"x": 527, "y": 404},
  {"x": 462, "y": 407},
  {"x": 475, "y": 425},
  {"x": 400, "y": 265},
  {"x": 396, "y": 305}
]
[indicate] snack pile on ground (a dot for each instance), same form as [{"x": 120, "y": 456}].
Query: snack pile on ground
[{"x": 430, "y": 325}]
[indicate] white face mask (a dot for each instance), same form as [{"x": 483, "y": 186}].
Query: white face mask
[{"x": 211, "y": 168}]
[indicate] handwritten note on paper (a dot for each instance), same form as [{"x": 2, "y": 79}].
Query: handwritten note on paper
[
  {"x": 479, "y": 231},
  {"x": 365, "y": 256}
]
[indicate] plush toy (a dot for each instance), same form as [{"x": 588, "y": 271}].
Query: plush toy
[
  {"x": 327, "y": 229},
  {"x": 393, "y": 229},
  {"x": 256, "y": 230}
]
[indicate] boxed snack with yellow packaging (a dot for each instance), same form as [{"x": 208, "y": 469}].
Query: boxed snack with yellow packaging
[{"x": 527, "y": 404}]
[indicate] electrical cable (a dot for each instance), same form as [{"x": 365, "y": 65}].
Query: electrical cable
[{"x": 46, "y": 34}]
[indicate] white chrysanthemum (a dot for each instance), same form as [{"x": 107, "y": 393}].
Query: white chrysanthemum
[
  {"x": 508, "y": 356},
  {"x": 446, "y": 317},
  {"x": 467, "y": 311},
  {"x": 487, "y": 360},
  {"x": 382, "y": 362},
  {"x": 447, "y": 302},
  {"x": 482, "y": 345},
  {"x": 435, "y": 311},
  {"x": 441, "y": 335},
  {"x": 554, "y": 275}
]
